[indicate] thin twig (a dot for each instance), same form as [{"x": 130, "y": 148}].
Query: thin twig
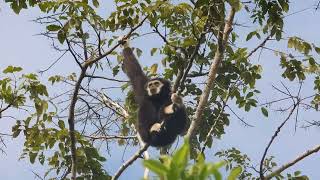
[
  {"x": 102, "y": 77},
  {"x": 111, "y": 137},
  {"x": 259, "y": 46}
]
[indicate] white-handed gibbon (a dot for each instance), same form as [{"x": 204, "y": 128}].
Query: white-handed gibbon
[{"x": 162, "y": 115}]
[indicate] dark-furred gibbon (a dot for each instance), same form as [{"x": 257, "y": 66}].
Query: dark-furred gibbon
[{"x": 162, "y": 115}]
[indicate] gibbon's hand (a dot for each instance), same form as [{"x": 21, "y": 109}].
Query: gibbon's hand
[
  {"x": 124, "y": 42},
  {"x": 176, "y": 99}
]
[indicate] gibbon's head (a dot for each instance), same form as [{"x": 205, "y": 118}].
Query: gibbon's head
[{"x": 158, "y": 86}]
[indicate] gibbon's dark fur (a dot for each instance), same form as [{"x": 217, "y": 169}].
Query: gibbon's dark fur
[{"x": 151, "y": 108}]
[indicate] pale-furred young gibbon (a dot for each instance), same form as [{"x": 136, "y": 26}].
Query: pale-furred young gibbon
[{"x": 162, "y": 115}]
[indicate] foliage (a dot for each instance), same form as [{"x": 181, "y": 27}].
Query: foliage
[
  {"x": 178, "y": 167},
  {"x": 40, "y": 129}
]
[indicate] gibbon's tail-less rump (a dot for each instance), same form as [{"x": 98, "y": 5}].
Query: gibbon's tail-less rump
[{"x": 162, "y": 114}]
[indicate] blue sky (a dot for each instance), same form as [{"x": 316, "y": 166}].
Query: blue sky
[{"x": 20, "y": 47}]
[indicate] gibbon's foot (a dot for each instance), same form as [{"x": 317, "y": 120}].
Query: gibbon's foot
[
  {"x": 124, "y": 42},
  {"x": 155, "y": 127}
]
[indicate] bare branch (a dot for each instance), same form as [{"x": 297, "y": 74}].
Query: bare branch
[
  {"x": 288, "y": 165},
  {"x": 101, "y": 77},
  {"x": 109, "y": 137},
  {"x": 4, "y": 109},
  {"x": 259, "y": 46},
  {"x": 71, "y": 122},
  {"x": 130, "y": 161},
  {"x": 117, "y": 108},
  {"x": 272, "y": 139},
  {"x": 52, "y": 64}
]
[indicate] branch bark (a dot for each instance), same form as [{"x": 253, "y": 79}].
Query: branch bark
[
  {"x": 298, "y": 159},
  {"x": 71, "y": 123},
  {"x": 223, "y": 37}
]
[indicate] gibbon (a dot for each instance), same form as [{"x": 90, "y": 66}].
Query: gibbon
[{"x": 161, "y": 115}]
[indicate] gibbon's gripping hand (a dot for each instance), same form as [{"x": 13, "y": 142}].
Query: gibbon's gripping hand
[
  {"x": 176, "y": 99},
  {"x": 123, "y": 41},
  {"x": 156, "y": 127},
  {"x": 177, "y": 103}
]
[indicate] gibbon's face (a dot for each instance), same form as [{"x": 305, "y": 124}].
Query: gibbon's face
[{"x": 154, "y": 87}]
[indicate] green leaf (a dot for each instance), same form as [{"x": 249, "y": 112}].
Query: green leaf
[
  {"x": 16, "y": 133},
  {"x": 250, "y": 35},
  {"x": 154, "y": 68},
  {"x": 95, "y": 3},
  {"x": 61, "y": 36},
  {"x": 53, "y": 27},
  {"x": 235, "y": 172},
  {"x": 32, "y": 157},
  {"x": 11, "y": 69},
  {"x": 139, "y": 52},
  {"x": 153, "y": 50},
  {"x": 264, "y": 111},
  {"x": 180, "y": 158},
  {"x": 61, "y": 124},
  {"x": 155, "y": 166},
  {"x": 317, "y": 49}
]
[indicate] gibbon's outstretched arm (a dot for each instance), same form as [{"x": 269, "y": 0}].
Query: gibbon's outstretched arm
[{"x": 134, "y": 71}]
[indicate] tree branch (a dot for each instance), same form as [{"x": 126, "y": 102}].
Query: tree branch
[
  {"x": 272, "y": 139},
  {"x": 259, "y": 46},
  {"x": 223, "y": 36},
  {"x": 117, "y": 108},
  {"x": 111, "y": 137},
  {"x": 102, "y": 77},
  {"x": 4, "y": 109},
  {"x": 71, "y": 122},
  {"x": 298, "y": 159},
  {"x": 130, "y": 161}
]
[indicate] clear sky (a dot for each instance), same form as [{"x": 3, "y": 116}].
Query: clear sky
[{"x": 20, "y": 46}]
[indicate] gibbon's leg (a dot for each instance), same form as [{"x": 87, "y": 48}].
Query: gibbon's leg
[
  {"x": 155, "y": 127},
  {"x": 147, "y": 117},
  {"x": 177, "y": 102}
]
